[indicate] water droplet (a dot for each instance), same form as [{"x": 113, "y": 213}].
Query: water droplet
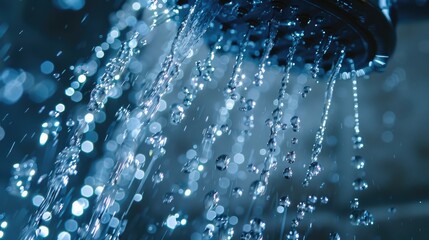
[
  {"x": 354, "y": 204},
  {"x": 284, "y": 201},
  {"x": 357, "y": 142},
  {"x": 315, "y": 168},
  {"x": 358, "y": 162},
  {"x": 22, "y": 175},
  {"x": 294, "y": 140},
  {"x": 360, "y": 184},
  {"x": 287, "y": 173},
  {"x": 224, "y": 128},
  {"x": 70, "y": 123},
  {"x": 168, "y": 198},
  {"x": 257, "y": 226},
  {"x": 324, "y": 200},
  {"x": 252, "y": 168},
  {"x": 291, "y": 157},
  {"x": 361, "y": 218},
  {"x": 258, "y": 188},
  {"x": 190, "y": 165},
  {"x": 208, "y": 232},
  {"x": 312, "y": 199},
  {"x": 248, "y": 105},
  {"x": 295, "y": 121},
  {"x": 157, "y": 177},
  {"x": 292, "y": 235},
  {"x": 177, "y": 114},
  {"x": 210, "y": 133},
  {"x": 392, "y": 210},
  {"x": 305, "y": 91},
  {"x": 334, "y": 236},
  {"x": 222, "y": 162},
  {"x": 237, "y": 192},
  {"x": 211, "y": 200}
]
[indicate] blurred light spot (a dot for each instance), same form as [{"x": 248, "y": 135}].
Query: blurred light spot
[
  {"x": 77, "y": 96},
  {"x": 98, "y": 190},
  {"x": 3, "y": 224},
  {"x": 69, "y": 91},
  {"x": 43, "y": 138},
  {"x": 229, "y": 104},
  {"x": 60, "y": 107},
  {"x": 155, "y": 127},
  {"x": 43, "y": 231},
  {"x": 387, "y": 136},
  {"x": 47, "y": 216},
  {"x": 43, "y": 90},
  {"x": 71, "y": 225},
  {"x": 77, "y": 209},
  {"x": 187, "y": 192},
  {"x": 2, "y": 133},
  {"x": 81, "y": 78},
  {"x": 87, "y": 191},
  {"x": 138, "y": 197},
  {"x": 87, "y": 146},
  {"x": 37, "y": 200},
  {"x": 114, "y": 222},
  {"x": 389, "y": 118},
  {"x": 89, "y": 117},
  {"x": 136, "y": 6},
  {"x": 64, "y": 236},
  {"x": 139, "y": 174},
  {"x": 74, "y": 5},
  {"x": 24, "y": 194},
  {"x": 99, "y": 54},
  {"x": 47, "y": 67},
  {"x": 171, "y": 222}
]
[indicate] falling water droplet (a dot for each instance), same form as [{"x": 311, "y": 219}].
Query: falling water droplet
[
  {"x": 177, "y": 114},
  {"x": 168, "y": 198},
  {"x": 22, "y": 175},
  {"x": 70, "y": 123},
  {"x": 157, "y": 177},
  {"x": 211, "y": 200},
  {"x": 287, "y": 173},
  {"x": 295, "y": 121},
  {"x": 354, "y": 204},
  {"x": 291, "y": 157},
  {"x": 237, "y": 192},
  {"x": 324, "y": 200},
  {"x": 284, "y": 201},
  {"x": 334, "y": 236},
  {"x": 190, "y": 165},
  {"x": 208, "y": 232},
  {"x": 361, "y": 218},
  {"x": 360, "y": 184},
  {"x": 222, "y": 162},
  {"x": 257, "y": 226},
  {"x": 305, "y": 91},
  {"x": 292, "y": 235},
  {"x": 252, "y": 168},
  {"x": 258, "y": 188},
  {"x": 358, "y": 162},
  {"x": 248, "y": 105},
  {"x": 294, "y": 140}
]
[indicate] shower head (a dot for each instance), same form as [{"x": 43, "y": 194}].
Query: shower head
[{"x": 364, "y": 28}]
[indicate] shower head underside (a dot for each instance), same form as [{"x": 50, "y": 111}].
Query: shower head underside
[{"x": 365, "y": 29}]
